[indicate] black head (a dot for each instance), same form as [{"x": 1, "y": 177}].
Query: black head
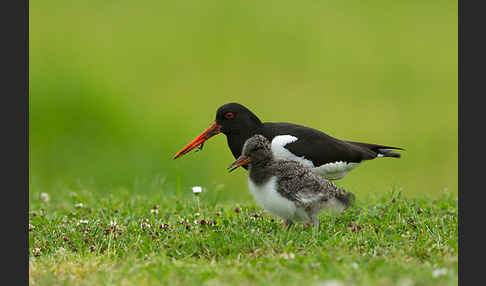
[
  {"x": 234, "y": 117},
  {"x": 231, "y": 118},
  {"x": 256, "y": 151}
]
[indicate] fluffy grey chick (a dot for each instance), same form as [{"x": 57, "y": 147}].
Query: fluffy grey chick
[{"x": 286, "y": 188}]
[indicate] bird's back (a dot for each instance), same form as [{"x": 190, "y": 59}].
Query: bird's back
[{"x": 300, "y": 184}]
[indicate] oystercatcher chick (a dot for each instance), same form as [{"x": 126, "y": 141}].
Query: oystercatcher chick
[
  {"x": 327, "y": 156},
  {"x": 287, "y": 188}
]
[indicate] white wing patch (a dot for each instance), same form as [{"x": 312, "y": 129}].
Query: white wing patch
[
  {"x": 282, "y": 153},
  {"x": 330, "y": 171}
]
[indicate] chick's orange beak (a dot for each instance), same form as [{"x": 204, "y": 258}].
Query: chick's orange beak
[
  {"x": 242, "y": 160},
  {"x": 208, "y": 133}
]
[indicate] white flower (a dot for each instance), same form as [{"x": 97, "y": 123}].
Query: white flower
[
  {"x": 439, "y": 272},
  {"x": 332, "y": 283},
  {"x": 85, "y": 221},
  {"x": 154, "y": 211},
  {"x": 37, "y": 251},
  {"x": 44, "y": 197},
  {"x": 112, "y": 222},
  {"x": 145, "y": 225},
  {"x": 196, "y": 189},
  {"x": 197, "y": 214},
  {"x": 287, "y": 255},
  {"x": 79, "y": 205},
  {"x": 405, "y": 282}
]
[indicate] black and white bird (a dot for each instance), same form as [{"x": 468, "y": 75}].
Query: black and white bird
[
  {"x": 327, "y": 156},
  {"x": 287, "y": 188}
]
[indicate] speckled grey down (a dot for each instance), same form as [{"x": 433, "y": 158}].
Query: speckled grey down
[{"x": 295, "y": 181}]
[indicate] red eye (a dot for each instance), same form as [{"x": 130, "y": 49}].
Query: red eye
[{"x": 229, "y": 115}]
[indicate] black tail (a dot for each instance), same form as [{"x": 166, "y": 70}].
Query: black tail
[
  {"x": 384, "y": 151},
  {"x": 389, "y": 153}
]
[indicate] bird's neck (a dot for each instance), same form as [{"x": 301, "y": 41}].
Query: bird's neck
[{"x": 260, "y": 172}]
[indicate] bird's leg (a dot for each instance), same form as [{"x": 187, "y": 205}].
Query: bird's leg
[
  {"x": 288, "y": 223},
  {"x": 315, "y": 229}
]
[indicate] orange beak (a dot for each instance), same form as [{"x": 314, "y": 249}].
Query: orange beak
[
  {"x": 208, "y": 133},
  {"x": 242, "y": 160}
]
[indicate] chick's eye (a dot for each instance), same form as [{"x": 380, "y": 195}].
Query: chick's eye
[{"x": 229, "y": 115}]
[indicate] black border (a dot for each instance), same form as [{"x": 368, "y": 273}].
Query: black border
[
  {"x": 14, "y": 19},
  {"x": 471, "y": 75}
]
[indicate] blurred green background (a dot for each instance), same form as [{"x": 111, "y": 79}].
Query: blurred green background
[{"x": 118, "y": 87}]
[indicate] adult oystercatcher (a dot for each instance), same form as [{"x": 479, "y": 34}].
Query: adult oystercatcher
[
  {"x": 327, "y": 156},
  {"x": 286, "y": 188}
]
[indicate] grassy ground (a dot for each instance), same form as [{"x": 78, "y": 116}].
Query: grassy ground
[{"x": 79, "y": 237}]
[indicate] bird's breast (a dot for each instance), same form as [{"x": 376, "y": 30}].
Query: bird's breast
[{"x": 269, "y": 198}]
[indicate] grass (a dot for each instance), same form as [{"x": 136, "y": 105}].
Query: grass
[{"x": 82, "y": 236}]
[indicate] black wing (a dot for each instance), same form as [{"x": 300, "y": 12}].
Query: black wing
[{"x": 319, "y": 147}]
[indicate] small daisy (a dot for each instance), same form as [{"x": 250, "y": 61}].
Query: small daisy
[
  {"x": 82, "y": 221},
  {"x": 144, "y": 225},
  {"x": 44, "y": 197},
  {"x": 439, "y": 272},
  {"x": 37, "y": 252},
  {"x": 288, "y": 256},
  {"x": 332, "y": 283},
  {"x": 79, "y": 205},
  {"x": 196, "y": 189},
  {"x": 154, "y": 211}
]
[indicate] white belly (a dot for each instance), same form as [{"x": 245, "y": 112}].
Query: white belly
[
  {"x": 271, "y": 201},
  {"x": 334, "y": 171}
]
